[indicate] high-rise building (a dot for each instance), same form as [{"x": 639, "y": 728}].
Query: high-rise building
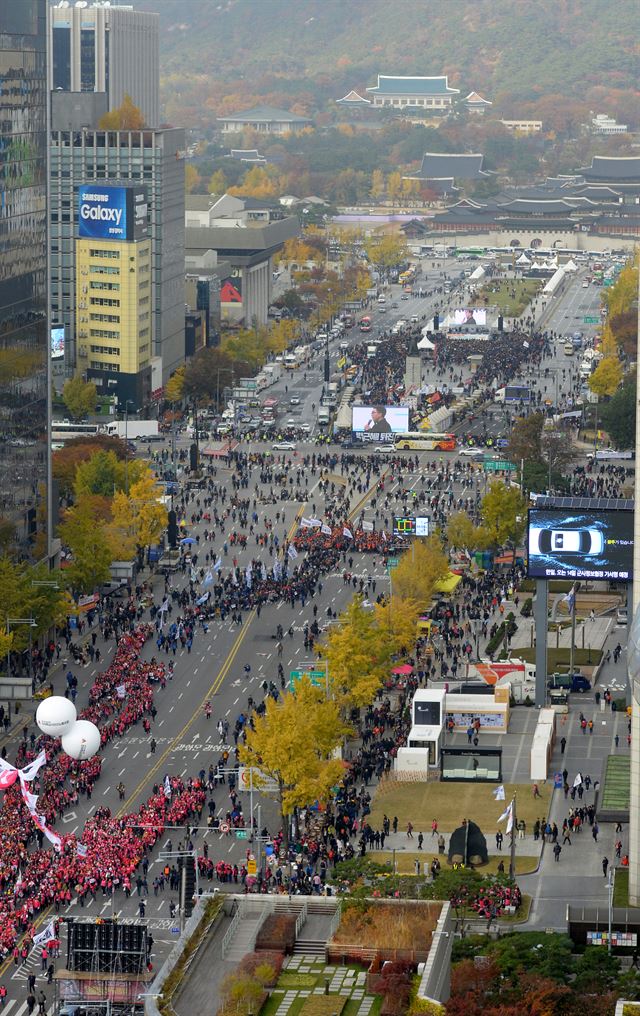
[
  {"x": 104, "y": 48},
  {"x": 154, "y": 159},
  {"x": 24, "y": 336},
  {"x": 113, "y": 291}
]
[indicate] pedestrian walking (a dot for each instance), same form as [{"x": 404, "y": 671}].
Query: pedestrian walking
[
  {"x": 563, "y": 745},
  {"x": 420, "y": 841},
  {"x": 536, "y": 790},
  {"x": 605, "y": 864},
  {"x": 499, "y": 838},
  {"x": 31, "y": 1003},
  {"x": 557, "y": 850},
  {"x": 594, "y": 832},
  {"x": 409, "y": 831},
  {"x": 434, "y": 827},
  {"x": 42, "y": 1003}
]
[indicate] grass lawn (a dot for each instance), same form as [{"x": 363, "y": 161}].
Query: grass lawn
[
  {"x": 621, "y": 888},
  {"x": 405, "y": 860},
  {"x": 314, "y": 1005},
  {"x": 449, "y": 803},
  {"x": 558, "y": 659},
  {"x": 499, "y": 294}
]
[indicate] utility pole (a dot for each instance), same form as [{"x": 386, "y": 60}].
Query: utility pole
[{"x": 514, "y": 829}]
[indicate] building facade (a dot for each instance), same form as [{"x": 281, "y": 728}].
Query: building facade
[
  {"x": 113, "y": 292},
  {"x": 264, "y": 120},
  {"x": 108, "y": 49},
  {"x": 433, "y": 94},
  {"x": 25, "y": 515},
  {"x": 153, "y": 158}
]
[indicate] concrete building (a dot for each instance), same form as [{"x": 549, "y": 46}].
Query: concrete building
[
  {"x": 104, "y": 48},
  {"x": 412, "y": 92},
  {"x": 264, "y": 120},
  {"x": 25, "y": 487},
  {"x": 523, "y": 126},
  {"x": 149, "y": 157},
  {"x": 604, "y": 124},
  {"x": 113, "y": 292},
  {"x": 249, "y": 248}
]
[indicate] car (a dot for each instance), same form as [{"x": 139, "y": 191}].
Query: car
[
  {"x": 622, "y": 615},
  {"x": 284, "y": 446},
  {"x": 294, "y": 400},
  {"x": 585, "y": 284},
  {"x": 305, "y": 428},
  {"x": 589, "y": 542},
  {"x": 384, "y": 448},
  {"x": 414, "y": 319},
  {"x": 404, "y": 296},
  {"x": 471, "y": 453},
  {"x": 382, "y": 310}
]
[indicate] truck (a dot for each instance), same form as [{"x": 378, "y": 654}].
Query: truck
[
  {"x": 575, "y": 682},
  {"x": 513, "y": 393},
  {"x": 371, "y": 351},
  {"x": 134, "y": 430},
  {"x": 324, "y": 415},
  {"x": 518, "y": 673}
]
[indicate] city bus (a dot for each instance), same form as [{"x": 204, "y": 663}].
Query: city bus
[
  {"x": 61, "y": 432},
  {"x": 365, "y": 324},
  {"x": 426, "y": 441}
]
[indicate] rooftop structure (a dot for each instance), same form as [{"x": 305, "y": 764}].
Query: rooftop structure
[
  {"x": 476, "y": 104},
  {"x": 441, "y": 170},
  {"x": 604, "y": 124},
  {"x": 353, "y": 99}
]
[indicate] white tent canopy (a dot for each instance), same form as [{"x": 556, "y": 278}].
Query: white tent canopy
[
  {"x": 554, "y": 281},
  {"x": 570, "y": 267},
  {"x": 425, "y": 343},
  {"x": 523, "y": 259}
]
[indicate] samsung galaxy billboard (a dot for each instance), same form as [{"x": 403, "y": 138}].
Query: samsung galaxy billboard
[
  {"x": 112, "y": 213},
  {"x": 574, "y": 543}
]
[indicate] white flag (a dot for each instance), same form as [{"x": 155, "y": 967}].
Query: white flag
[
  {"x": 316, "y": 523},
  {"x": 45, "y": 936},
  {"x": 347, "y": 532},
  {"x": 325, "y": 529},
  {"x": 217, "y": 566},
  {"x": 82, "y": 850},
  {"x": 292, "y": 552},
  {"x": 121, "y": 691},
  {"x": 507, "y": 812},
  {"x": 384, "y": 536},
  {"x": 208, "y": 579},
  {"x": 578, "y": 780},
  {"x": 18, "y": 884},
  {"x": 498, "y": 793},
  {"x": 510, "y": 822},
  {"x": 31, "y": 771},
  {"x": 305, "y": 523},
  {"x": 263, "y": 572},
  {"x": 167, "y": 786},
  {"x": 367, "y": 527}
]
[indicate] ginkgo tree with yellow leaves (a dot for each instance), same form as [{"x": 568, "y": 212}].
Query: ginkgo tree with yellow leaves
[
  {"x": 293, "y": 745},
  {"x": 138, "y": 518},
  {"x": 419, "y": 570}
]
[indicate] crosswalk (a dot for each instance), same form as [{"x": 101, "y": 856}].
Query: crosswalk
[{"x": 16, "y": 1008}]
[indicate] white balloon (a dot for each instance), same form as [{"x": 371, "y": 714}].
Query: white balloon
[
  {"x": 82, "y": 741},
  {"x": 56, "y": 715}
]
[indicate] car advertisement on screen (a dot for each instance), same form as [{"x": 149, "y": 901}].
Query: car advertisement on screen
[
  {"x": 379, "y": 423},
  {"x": 112, "y": 213},
  {"x": 574, "y": 543},
  {"x": 469, "y": 316}
]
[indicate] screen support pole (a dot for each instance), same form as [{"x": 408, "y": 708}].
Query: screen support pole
[{"x": 540, "y": 617}]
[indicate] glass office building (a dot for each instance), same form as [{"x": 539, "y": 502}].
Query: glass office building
[{"x": 24, "y": 339}]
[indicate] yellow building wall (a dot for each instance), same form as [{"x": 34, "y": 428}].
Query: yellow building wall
[{"x": 120, "y": 272}]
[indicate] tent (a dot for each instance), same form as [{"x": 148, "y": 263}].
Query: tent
[
  {"x": 426, "y": 343},
  {"x": 523, "y": 259},
  {"x": 571, "y": 266},
  {"x": 448, "y": 584}
]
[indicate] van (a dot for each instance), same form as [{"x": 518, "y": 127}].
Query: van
[
  {"x": 324, "y": 416},
  {"x": 568, "y": 349},
  {"x": 570, "y": 682}
]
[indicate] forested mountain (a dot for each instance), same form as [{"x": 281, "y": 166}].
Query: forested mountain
[{"x": 527, "y": 56}]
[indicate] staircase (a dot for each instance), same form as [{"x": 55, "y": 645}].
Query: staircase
[{"x": 245, "y": 935}]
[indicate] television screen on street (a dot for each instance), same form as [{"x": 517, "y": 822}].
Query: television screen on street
[
  {"x": 576, "y": 543},
  {"x": 380, "y": 423},
  {"x": 469, "y": 316},
  {"x": 57, "y": 342}
]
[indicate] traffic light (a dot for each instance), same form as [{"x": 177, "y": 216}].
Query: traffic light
[{"x": 172, "y": 527}]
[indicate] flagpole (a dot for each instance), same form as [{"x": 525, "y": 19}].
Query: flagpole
[{"x": 514, "y": 823}]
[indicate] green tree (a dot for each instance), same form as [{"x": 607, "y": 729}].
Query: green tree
[
  {"x": 525, "y": 439},
  {"x": 80, "y": 397},
  {"x": 104, "y": 474},
  {"x": 83, "y": 533},
  {"x": 419, "y": 570},
  {"x": 462, "y": 534},
  {"x": 293, "y": 744},
  {"x": 210, "y": 371},
  {"x": 607, "y": 376},
  {"x": 503, "y": 512},
  {"x": 619, "y": 415},
  {"x": 217, "y": 182}
]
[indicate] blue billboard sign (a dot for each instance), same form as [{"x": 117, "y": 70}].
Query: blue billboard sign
[{"x": 112, "y": 213}]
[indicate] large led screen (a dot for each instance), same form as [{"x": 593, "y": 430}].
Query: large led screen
[
  {"x": 575, "y": 543},
  {"x": 469, "y": 316},
  {"x": 380, "y": 419}
]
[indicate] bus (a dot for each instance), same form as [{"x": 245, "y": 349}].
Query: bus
[
  {"x": 61, "y": 432},
  {"x": 427, "y": 441},
  {"x": 513, "y": 393},
  {"x": 365, "y": 324}
]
